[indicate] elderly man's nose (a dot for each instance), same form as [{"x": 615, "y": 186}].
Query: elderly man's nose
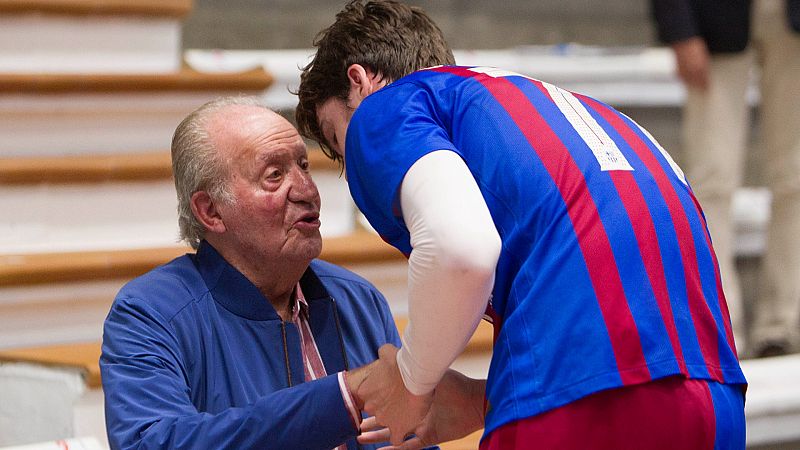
[{"x": 303, "y": 187}]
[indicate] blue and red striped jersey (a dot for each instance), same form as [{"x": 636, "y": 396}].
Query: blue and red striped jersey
[{"x": 607, "y": 276}]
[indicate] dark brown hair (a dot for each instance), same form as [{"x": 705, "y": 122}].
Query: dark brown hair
[{"x": 388, "y": 37}]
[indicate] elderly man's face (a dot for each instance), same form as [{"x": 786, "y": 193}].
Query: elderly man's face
[{"x": 275, "y": 212}]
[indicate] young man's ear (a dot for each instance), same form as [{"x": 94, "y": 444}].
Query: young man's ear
[
  {"x": 205, "y": 211},
  {"x": 363, "y": 82}
]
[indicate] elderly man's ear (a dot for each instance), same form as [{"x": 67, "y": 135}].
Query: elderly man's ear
[{"x": 206, "y": 212}]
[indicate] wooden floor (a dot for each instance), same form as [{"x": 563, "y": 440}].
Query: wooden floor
[{"x": 467, "y": 443}]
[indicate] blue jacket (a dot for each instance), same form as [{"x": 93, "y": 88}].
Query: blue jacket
[{"x": 194, "y": 356}]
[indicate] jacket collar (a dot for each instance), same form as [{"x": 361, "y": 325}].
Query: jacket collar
[{"x": 239, "y": 295}]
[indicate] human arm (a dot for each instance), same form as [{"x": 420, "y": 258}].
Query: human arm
[
  {"x": 455, "y": 248},
  {"x": 457, "y": 411},
  {"x": 451, "y": 267},
  {"x": 692, "y": 61},
  {"x": 678, "y": 27},
  {"x": 675, "y": 20},
  {"x": 149, "y": 401}
]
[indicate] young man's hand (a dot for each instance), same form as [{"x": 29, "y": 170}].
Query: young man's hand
[
  {"x": 457, "y": 411},
  {"x": 385, "y": 396},
  {"x": 354, "y": 378}
]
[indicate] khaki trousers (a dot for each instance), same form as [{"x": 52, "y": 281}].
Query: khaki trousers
[{"x": 715, "y": 134}]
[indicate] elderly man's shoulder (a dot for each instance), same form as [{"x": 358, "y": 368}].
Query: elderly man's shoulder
[
  {"x": 166, "y": 288},
  {"x": 345, "y": 286},
  {"x": 356, "y": 298},
  {"x": 337, "y": 275}
]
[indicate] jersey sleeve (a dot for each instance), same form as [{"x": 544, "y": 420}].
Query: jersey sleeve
[{"x": 388, "y": 133}]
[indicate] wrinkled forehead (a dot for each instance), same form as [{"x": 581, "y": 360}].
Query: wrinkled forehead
[{"x": 240, "y": 131}]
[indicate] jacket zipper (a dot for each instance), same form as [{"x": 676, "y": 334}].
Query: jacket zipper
[
  {"x": 286, "y": 354},
  {"x": 339, "y": 333},
  {"x": 341, "y": 346}
]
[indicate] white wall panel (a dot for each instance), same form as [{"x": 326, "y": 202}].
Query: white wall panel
[{"x": 53, "y": 43}]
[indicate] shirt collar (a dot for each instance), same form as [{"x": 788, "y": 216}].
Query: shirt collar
[{"x": 300, "y": 304}]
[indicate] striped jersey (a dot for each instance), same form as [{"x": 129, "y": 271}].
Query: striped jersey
[{"x": 606, "y": 277}]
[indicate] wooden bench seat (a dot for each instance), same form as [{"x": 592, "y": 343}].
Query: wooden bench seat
[
  {"x": 185, "y": 80},
  {"x": 111, "y": 167},
  {"x": 86, "y": 168},
  {"x": 36, "y": 269},
  {"x": 158, "y": 8},
  {"x": 84, "y": 356}
]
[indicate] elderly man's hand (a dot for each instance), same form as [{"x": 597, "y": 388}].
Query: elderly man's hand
[{"x": 385, "y": 396}]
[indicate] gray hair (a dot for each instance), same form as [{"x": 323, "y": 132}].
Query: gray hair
[{"x": 197, "y": 166}]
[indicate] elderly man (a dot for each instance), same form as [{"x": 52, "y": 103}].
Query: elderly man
[{"x": 247, "y": 342}]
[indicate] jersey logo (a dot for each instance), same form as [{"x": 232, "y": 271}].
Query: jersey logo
[{"x": 603, "y": 148}]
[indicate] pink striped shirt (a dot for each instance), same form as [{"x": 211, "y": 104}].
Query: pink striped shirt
[{"x": 313, "y": 367}]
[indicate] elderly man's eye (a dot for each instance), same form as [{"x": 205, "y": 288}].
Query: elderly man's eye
[
  {"x": 273, "y": 174},
  {"x": 304, "y": 164}
]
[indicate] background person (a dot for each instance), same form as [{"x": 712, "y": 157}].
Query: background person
[{"x": 717, "y": 44}]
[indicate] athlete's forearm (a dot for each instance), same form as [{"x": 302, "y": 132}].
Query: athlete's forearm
[{"x": 451, "y": 267}]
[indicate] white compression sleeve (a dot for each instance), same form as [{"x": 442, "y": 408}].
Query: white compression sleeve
[{"x": 455, "y": 248}]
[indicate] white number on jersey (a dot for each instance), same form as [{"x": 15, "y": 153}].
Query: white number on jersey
[
  {"x": 605, "y": 150},
  {"x": 670, "y": 161}
]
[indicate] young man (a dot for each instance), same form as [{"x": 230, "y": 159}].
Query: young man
[{"x": 557, "y": 215}]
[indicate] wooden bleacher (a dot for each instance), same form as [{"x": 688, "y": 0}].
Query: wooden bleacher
[
  {"x": 29, "y": 269},
  {"x": 160, "y": 8},
  {"x": 185, "y": 80},
  {"x": 24, "y": 271},
  {"x": 44, "y": 268},
  {"x": 85, "y": 168},
  {"x": 110, "y": 167},
  {"x": 41, "y": 269},
  {"x": 95, "y": 102}
]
